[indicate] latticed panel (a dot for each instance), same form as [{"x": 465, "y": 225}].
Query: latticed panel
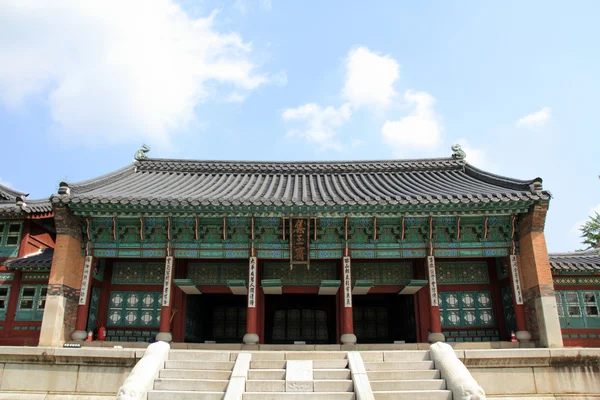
[
  {"x": 509, "y": 309},
  {"x": 466, "y": 272},
  {"x": 135, "y": 309},
  {"x": 211, "y": 273},
  {"x": 383, "y": 272},
  {"x": 145, "y": 273},
  {"x": 578, "y": 308},
  {"x": 466, "y": 309}
]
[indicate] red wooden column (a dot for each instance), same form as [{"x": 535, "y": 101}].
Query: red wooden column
[
  {"x": 436, "y": 334},
  {"x": 251, "y": 336},
  {"x": 522, "y": 334},
  {"x": 348, "y": 336},
  {"x": 84, "y": 300},
  {"x": 164, "y": 332}
]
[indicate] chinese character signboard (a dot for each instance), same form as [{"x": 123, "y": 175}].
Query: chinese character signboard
[
  {"x": 347, "y": 282},
  {"x": 433, "y": 292},
  {"x": 166, "y": 299},
  {"x": 252, "y": 282},
  {"x": 85, "y": 280},
  {"x": 299, "y": 241},
  {"x": 516, "y": 281}
]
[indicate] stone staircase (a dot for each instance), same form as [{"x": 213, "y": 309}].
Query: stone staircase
[
  {"x": 269, "y": 377},
  {"x": 404, "y": 375},
  {"x": 191, "y": 374},
  {"x": 273, "y": 375}
]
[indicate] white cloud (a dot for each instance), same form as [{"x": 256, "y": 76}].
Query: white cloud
[
  {"x": 113, "y": 71},
  {"x": 536, "y": 119},
  {"x": 420, "y": 130},
  {"x": 321, "y": 124},
  {"x": 370, "y": 78},
  {"x": 476, "y": 156}
]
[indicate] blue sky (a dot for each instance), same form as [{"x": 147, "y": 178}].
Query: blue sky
[{"x": 84, "y": 84}]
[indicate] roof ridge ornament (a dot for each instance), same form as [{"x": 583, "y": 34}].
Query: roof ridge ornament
[
  {"x": 457, "y": 152},
  {"x": 141, "y": 153}
]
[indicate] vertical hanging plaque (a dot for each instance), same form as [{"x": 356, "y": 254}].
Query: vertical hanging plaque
[
  {"x": 516, "y": 281},
  {"x": 85, "y": 280},
  {"x": 299, "y": 241},
  {"x": 433, "y": 292},
  {"x": 166, "y": 299},
  {"x": 347, "y": 282},
  {"x": 252, "y": 282}
]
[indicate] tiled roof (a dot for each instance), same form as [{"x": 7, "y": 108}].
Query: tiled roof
[
  {"x": 8, "y": 194},
  {"x": 579, "y": 261},
  {"x": 164, "y": 182},
  {"x": 26, "y": 207},
  {"x": 41, "y": 260}
]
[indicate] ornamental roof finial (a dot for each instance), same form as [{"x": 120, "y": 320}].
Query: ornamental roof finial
[
  {"x": 457, "y": 152},
  {"x": 141, "y": 153}
]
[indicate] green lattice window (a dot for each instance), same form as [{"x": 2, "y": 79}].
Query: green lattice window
[
  {"x": 578, "y": 308},
  {"x": 229, "y": 324},
  {"x": 214, "y": 273},
  {"x": 300, "y": 275},
  {"x": 4, "y": 296},
  {"x": 142, "y": 273},
  {"x": 383, "y": 272},
  {"x": 10, "y": 233},
  {"x": 134, "y": 309},
  {"x": 32, "y": 300},
  {"x": 469, "y": 272},
  {"x": 466, "y": 309},
  {"x": 93, "y": 312}
]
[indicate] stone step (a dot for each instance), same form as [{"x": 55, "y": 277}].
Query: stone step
[
  {"x": 280, "y": 364},
  {"x": 296, "y": 396},
  {"x": 183, "y": 395},
  {"x": 406, "y": 355},
  {"x": 199, "y": 355},
  {"x": 398, "y": 365},
  {"x": 331, "y": 374},
  {"x": 194, "y": 374},
  {"x": 333, "y": 385},
  {"x": 191, "y": 384},
  {"x": 315, "y": 355},
  {"x": 10, "y": 395},
  {"x": 204, "y": 365},
  {"x": 422, "y": 384},
  {"x": 393, "y": 375},
  {"x": 413, "y": 394},
  {"x": 266, "y": 374},
  {"x": 262, "y": 355},
  {"x": 265, "y": 386}
]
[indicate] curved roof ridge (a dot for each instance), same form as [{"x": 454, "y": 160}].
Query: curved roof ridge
[
  {"x": 327, "y": 162},
  {"x": 509, "y": 183},
  {"x": 588, "y": 252},
  {"x": 103, "y": 179},
  {"x": 9, "y": 194}
]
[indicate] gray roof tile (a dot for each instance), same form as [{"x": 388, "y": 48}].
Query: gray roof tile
[
  {"x": 579, "y": 261},
  {"x": 37, "y": 261}
]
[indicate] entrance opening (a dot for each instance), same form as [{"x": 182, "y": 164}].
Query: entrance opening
[
  {"x": 384, "y": 318},
  {"x": 299, "y": 317},
  {"x": 215, "y": 317}
]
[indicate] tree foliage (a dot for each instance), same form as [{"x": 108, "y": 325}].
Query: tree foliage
[{"x": 591, "y": 232}]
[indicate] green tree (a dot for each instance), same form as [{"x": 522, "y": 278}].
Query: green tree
[{"x": 591, "y": 232}]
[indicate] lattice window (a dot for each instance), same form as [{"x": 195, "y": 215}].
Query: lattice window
[
  {"x": 134, "y": 309},
  {"x": 144, "y": 273},
  {"x": 10, "y": 234},
  {"x": 93, "y": 313},
  {"x": 578, "y": 309},
  {"x": 383, "y": 272},
  {"x": 212, "y": 273},
  {"x": 32, "y": 300},
  {"x": 229, "y": 324},
  {"x": 466, "y": 309},
  {"x": 468, "y": 272},
  {"x": 300, "y": 324}
]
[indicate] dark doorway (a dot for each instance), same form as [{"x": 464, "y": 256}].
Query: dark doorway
[
  {"x": 384, "y": 318},
  {"x": 215, "y": 317},
  {"x": 300, "y": 317}
]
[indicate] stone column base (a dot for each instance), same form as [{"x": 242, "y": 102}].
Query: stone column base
[
  {"x": 250, "y": 338},
  {"x": 164, "y": 337},
  {"x": 523, "y": 336},
  {"x": 348, "y": 338},
  {"x": 79, "y": 335},
  {"x": 436, "y": 337}
]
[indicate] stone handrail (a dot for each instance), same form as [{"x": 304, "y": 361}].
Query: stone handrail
[
  {"x": 237, "y": 383},
  {"x": 141, "y": 379},
  {"x": 457, "y": 376},
  {"x": 362, "y": 386}
]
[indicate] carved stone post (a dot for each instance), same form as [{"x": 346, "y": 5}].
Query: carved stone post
[{"x": 60, "y": 312}]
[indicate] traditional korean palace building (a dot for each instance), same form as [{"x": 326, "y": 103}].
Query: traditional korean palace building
[{"x": 26, "y": 247}]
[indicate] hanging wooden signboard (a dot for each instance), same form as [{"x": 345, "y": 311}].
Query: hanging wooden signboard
[{"x": 299, "y": 242}]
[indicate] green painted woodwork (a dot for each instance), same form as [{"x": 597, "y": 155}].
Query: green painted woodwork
[
  {"x": 140, "y": 273},
  {"x": 271, "y": 283},
  {"x": 7, "y": 276},
  {"x": 136, "y": 309},
  {"x": 216, "y": 273},
  {"x": 578, "y": 308},
  {"x": 318, "y": 272},
  {"x": 466, "y": 309},
  {"x": 462, "y": 272},
  {"x": 32, "y": 300},
  {"x": 472, "y": 335},
  {"x": 573, "y": 280},
  {"x": 35, "y": 276},
  {"x": 10, "y": 237},
  {"x": 330, "y": 283},
  {"x": 99, "y": 267},
  {"x": 383, "y": 272},
  {"x": 509, "y": 310},
  {"x": 203, "y": 237},
  {"x": 4, "y": 297},
  {"x": 93, "y": 311}
]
